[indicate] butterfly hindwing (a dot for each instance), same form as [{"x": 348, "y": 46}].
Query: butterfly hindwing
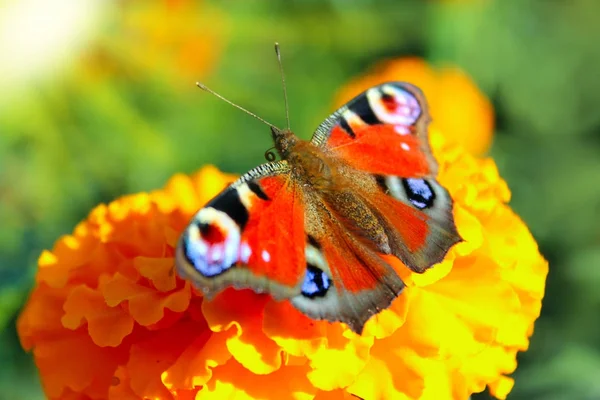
[
  {"x": 250, "y": 236},
  {"x": 346, "y": 281},
  {"x": 420, "y": 212}
]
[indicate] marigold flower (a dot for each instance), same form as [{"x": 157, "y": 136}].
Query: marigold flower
[
  {"x": 458, "y": 108},
  {"x": 109, "y": 318}
]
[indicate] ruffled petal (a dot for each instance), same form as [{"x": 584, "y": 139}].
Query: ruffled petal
[
  {"x": 241, "y": 310},
  {"x": 72, "y": 362},
  {"x": 295, "y": 333},
  {"x": 336, "y": 364},
  {"x": 153, "y": 354},
  {"x": 120, "y": 386},
  {"x": 234, "y": 381},
  {"x": 107, "y": 326},
  {"x": 193, "y": 368}
]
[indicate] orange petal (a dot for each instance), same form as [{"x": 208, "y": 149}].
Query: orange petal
[
  {"x": 146, "y": 305},
  {"x": 234, "y": 381},
  {"x": 243, "y": 310},
  {"x": 151, "y": 356},
  {"x": 41, "y": 318},
  {"x": 106, "y": 325},
  {"x": 120, "y": 386},
  {"x": 72, "y": 361},
  {"x": 160, "y": 271},
  {"x": 194, "y": 367},
  {"x": 293, "y": 331}
]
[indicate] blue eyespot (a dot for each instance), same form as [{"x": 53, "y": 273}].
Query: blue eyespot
[
  {"x": 419, "y": 192},
  {"x": 316, "y": 282},
  {"x": 207, "y": 260}
]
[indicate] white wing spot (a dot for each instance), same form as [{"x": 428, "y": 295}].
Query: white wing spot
[
  {"x": 246, "y": 253},
  {"x": 401, "y": 129},
  {"x": 405, "y": 146},
  {"x": 266, "y": 256}
]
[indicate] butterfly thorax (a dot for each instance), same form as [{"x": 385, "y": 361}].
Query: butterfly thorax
[{"x": 309, "y": 163}]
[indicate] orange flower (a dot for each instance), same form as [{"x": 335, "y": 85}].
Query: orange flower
[
  {"x": 457, "y": 106},
  {"x": 109, "y": 318}
]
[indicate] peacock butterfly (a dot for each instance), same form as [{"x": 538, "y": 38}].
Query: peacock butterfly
[{"x": 311, "y": 227}]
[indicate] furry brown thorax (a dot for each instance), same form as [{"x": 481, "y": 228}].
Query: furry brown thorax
[{"x": 308, "y": 162}]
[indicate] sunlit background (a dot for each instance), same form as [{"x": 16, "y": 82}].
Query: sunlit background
[{"x": 98, "y": 100}]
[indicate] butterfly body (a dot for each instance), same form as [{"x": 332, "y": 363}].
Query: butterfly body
[{"x": 313, "y": 226}]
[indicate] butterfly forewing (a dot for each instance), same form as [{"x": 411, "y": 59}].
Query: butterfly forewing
[
  {"x": 250, "y": 236},
  {"x": 382, "y": 130}
]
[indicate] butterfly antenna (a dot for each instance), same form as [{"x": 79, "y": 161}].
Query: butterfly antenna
[
  {"x": 207, "y": 89},
  {"x": 285, "y": 98}
]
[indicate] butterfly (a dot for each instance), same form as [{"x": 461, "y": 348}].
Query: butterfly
[{"x": 311, "y": 228}]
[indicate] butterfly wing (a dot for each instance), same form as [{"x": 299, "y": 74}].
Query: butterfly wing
[
  {"x": 251, "y": 235},
  {"x": 383, "y": 131}
]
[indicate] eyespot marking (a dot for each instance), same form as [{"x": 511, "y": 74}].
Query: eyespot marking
[
  {"x": 394, "y": 105},
  {"x": 211, "y": 243},
  {"x": 419, "y": 192},
  {"x": 206, "y": 260},
  {"x": 316, "y": 282}
]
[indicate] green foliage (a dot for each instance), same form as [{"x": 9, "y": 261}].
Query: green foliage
[{"x": 72, "y": 139}]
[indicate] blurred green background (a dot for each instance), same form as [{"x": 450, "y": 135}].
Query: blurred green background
[{"x": 98, "y": 100}]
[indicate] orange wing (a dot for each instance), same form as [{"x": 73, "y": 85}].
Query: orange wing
[
  {"x": 250, "y": 236},
  {"x": 383, "y": 131}
]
